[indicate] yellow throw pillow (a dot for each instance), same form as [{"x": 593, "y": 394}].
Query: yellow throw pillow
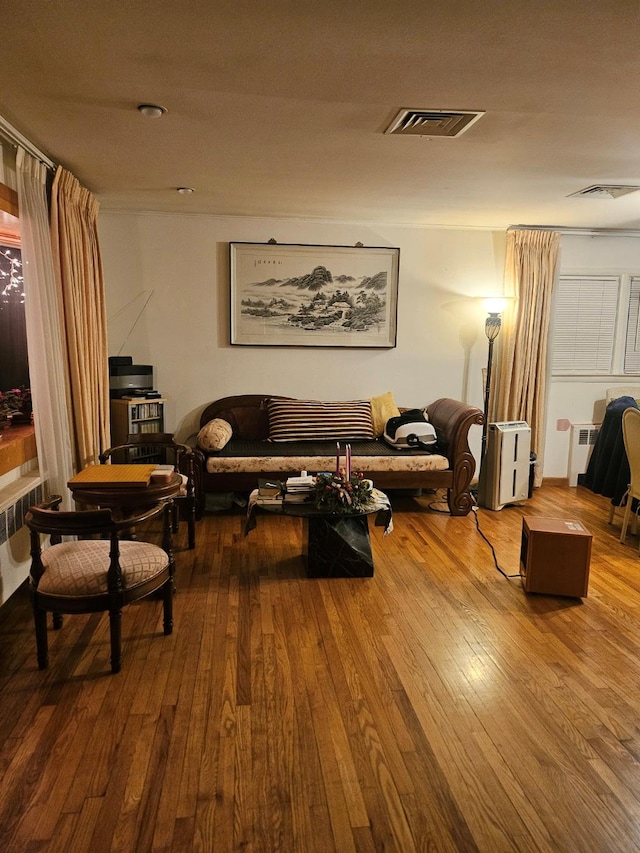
[{"x": 383, "y": 408}]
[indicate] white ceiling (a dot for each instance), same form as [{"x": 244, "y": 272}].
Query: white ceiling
[{"x": 279, "y": 108}]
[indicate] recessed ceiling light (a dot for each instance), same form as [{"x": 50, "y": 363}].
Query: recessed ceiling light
[
  {"x": 151, "y": 110},
  {"x": 186, "y": 190}
]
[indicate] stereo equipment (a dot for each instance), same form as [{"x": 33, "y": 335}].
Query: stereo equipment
[{"x": 128, "y": 379}]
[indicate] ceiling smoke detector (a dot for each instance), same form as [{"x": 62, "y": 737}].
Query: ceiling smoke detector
[
  {"x": 444, "y": 123},
  {"x": 604, "y": 191}
]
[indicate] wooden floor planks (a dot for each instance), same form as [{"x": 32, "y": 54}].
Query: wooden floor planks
[{"x": 434, "y": 706}]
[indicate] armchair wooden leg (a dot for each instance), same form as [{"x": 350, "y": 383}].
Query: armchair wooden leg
[
  {"x": 167, "y": 544},
  {"x": 42, "y": 642},
  {"x": 191, "y": 523},
  {"x": 167, "y": 603},
  {"x": 115, "y": 629},
  {"x": 57, "y": 621}
]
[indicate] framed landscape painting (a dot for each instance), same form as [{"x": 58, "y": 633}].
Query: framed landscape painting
[{"x": 313, "y": 296}]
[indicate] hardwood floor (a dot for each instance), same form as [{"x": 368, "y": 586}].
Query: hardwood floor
[{"x": 435, "y": 706}]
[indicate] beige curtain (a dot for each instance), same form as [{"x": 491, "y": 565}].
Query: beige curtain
[
  {"x": 45, "y": 334},
  {"x": 76, "y": 252},
  {"x": 519, "y": 393}
]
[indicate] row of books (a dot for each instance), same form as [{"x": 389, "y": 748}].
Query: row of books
[
  {"x": 144, "y": 426},
  {"x": 146, "y": 410}
]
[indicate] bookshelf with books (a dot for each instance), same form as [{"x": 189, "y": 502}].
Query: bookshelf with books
[{"x": 137, "y": 415}]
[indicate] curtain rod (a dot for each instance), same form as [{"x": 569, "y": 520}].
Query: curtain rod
[
  {"x": 579, "y": 232},
  {"x": 14, "y": 137}
]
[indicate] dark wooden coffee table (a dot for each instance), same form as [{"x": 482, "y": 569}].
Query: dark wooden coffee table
[{"x": 335, "y": 545}]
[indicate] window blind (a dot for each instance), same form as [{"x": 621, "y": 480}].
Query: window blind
[
  {"x": 632, "y": 343},
  {"x": 585, "y": 323}
]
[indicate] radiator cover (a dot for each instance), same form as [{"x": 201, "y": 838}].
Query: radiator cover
[{"x": 583, "y": 437}]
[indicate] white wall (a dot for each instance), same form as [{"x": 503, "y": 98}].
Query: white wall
[
  {"x": 181, "y": 262},
  {"x": 583, "y": 401}
]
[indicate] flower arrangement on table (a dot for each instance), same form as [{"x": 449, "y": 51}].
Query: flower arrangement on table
[
  {"x": 342, "y": 492},
  {"x": 336, "y": 493}
]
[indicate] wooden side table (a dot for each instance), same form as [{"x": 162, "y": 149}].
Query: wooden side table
[
  {"x": 554, "y": 556},
  {"x": 124, "y": 499}
]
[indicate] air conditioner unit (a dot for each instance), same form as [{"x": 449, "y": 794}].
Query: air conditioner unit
[
  {"x": 504, "y": 478},
  {"x": 583, "y": 437}
]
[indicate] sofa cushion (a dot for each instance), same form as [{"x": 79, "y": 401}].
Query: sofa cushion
[
  {"x": 214, "y": 435},
  {"x": 248, "y": 422},
  {"x": 310, "y": 420},
  {"x": 369, "y": 457},
  {"x": 383, "y": 408}
]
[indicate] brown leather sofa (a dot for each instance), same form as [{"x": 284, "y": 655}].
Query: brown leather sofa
[{"x": 249, "y": 454}]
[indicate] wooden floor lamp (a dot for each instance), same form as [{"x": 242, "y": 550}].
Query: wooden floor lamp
[{"x": 492, "y": 326}]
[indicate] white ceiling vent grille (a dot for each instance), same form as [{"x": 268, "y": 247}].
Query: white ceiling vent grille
[
  {"x": 604, "y": 191},
  {"x": 446, "y": 123}
]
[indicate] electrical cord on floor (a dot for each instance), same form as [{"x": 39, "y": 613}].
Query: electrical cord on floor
[
  {"x": 474, "y": 509},
  {"x": 441, "y": 505}
]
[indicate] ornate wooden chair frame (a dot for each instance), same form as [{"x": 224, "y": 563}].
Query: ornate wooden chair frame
[
  {"x": 111, "y": 595},
  {"x": 182, "y": 456}
]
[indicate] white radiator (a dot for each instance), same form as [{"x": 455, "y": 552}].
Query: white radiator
[
  {"x": 583, "y": 437},
  {"x": 504, "y": 478}
]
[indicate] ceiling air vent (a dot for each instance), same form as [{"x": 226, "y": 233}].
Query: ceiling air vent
[
  {"x": 604, "y": 191},
  {"x": 447, "y": 123}
]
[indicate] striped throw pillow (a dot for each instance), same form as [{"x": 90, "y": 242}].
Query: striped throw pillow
[{"x": 312, "y": 420}]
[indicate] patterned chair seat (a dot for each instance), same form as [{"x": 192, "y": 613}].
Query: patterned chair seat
[{"x": 73, "y": 569}]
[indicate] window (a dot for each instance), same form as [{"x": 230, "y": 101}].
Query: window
[
  {"x": 596, "y": 325},
  {"x": 14, "y": 365},
  {"x": 585, "y": 315}
]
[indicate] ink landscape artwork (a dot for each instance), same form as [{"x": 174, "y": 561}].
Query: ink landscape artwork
[{"x": 321, "y": 296}]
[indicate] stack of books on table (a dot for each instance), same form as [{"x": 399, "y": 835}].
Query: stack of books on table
[
  {"x": 270, "y": 491},
  {"x": 299, "y": 489},
  {"x": 162, "y": 474}
]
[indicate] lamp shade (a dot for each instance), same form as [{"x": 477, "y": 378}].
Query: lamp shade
[{"x": 495, "y": 304}]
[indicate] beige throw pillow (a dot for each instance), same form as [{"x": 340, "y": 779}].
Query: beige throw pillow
[
  {"x": 214, "y": 435},
  {"x": 383, "y": 408}
]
